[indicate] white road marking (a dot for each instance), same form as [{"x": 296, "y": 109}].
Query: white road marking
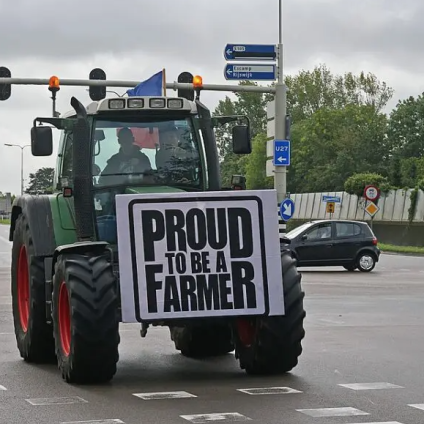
[
  {"x": 108, "y": 421},
  {"x": 224, "y": 416},
  {"x": 7, "y": 334},
  {"x": 417, "y": 406},
  {"x": 2, "y": 387},
  {"x": 269, "y": 391},
  {"x": 371, "y": 386},
  {"x": 332, "y": 412},
  {"x": 56, "y": 401},
  {"x": 381, "y": 422},
  {"x": 164, "y": 395}
]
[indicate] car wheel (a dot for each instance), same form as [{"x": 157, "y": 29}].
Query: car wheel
[{"x": 366, "y": 262}]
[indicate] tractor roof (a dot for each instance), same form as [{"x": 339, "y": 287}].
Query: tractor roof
[{"x": 115, "y": 104}]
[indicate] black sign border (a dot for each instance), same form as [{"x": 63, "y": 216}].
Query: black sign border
[{"x": 195, "y": 198}]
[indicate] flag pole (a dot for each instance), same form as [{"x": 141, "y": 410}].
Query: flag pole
[{"x": 164, "y": 81}]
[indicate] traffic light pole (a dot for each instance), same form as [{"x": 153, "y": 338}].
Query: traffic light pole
[
  {"x": 131, "y": 84},
  {"x": 280, "y": 172}
]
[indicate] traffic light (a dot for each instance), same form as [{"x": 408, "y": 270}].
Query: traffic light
[
  {"x": 187, "y": 78},
  {"x": 97, "y": 93},
  {"x": 5, "y": 89}
]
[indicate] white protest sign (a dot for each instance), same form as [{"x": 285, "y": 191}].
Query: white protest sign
[{"x": 203, "y": 254}]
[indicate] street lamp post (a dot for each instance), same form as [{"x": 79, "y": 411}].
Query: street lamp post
[{"x": 22, "y": 162}]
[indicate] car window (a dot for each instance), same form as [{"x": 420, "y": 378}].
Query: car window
[
  {"x": 347, "y": 229},
  {"x": 321, "y": 231}
]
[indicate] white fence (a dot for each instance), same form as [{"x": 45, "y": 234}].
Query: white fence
[{"x": 393, "y": 207}]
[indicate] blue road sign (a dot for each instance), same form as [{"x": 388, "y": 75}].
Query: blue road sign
[
  {"x": 250, "y": 72},
  {"x": 250, "y": 52},
  {"x": 286, "y": 209},
  {"x": 335, "y": 199},
  {"x": 282, "y": 153}
]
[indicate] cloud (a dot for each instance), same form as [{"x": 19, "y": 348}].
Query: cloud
[{"x": 133, "y": 41}]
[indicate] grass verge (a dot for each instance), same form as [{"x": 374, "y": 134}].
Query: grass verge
[
  {"x": 412, "y": 250},
  {"x": 5, "y": 221}
]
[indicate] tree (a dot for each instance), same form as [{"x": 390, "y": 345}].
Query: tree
[
  {"x": 310, "y": 91},
  {"x": 40, "y": 181},
  {"x": 406, "y": 128},
  {"x": 314, "y": 97},
  {"x": 256, "y": 165},
  {"x": 253, "y": 105},
  {"x": 356, "y": 183},
  {"x": 334, "y": 144}
]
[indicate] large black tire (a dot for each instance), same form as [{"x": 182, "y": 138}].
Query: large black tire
[
  {"x": 275, "y": 342},
  {"x": 85, "y": 318},
  {"x": 203, "y": 341},
  {"x": 34, "y": 336}
]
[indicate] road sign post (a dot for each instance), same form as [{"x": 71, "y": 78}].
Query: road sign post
[
  {"x": 247, "y": 71},
  {"x": 330, "y": 207},
  {"x": 280, "y": 172},
  {"x": 287, "y": 209},
  {"x": 282, "y": 153},
  {"x": 253, "y": 52}
]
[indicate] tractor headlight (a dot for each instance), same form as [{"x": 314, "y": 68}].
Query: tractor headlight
[
  {"x": 175, "y": 103},
  {"x": 117, "y": 104},
  {"x": 136, "y": 103},
  {"x": 157, "y": 103}
]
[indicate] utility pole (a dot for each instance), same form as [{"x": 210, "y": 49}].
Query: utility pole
[
  {"x": 22, "y": 162},
  {"x": 280, "y": 172}
]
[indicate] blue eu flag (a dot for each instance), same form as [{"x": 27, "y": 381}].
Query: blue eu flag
[{"x": 150, "y": 87}]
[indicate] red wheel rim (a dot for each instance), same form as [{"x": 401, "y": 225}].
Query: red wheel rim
[
  {"x": 64, "y": 319},
  {"x": 246, "y": 330},
  {"x": 23, "y": 289}
]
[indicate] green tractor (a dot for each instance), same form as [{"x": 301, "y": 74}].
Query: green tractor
[{"x": 76, "y": 270}]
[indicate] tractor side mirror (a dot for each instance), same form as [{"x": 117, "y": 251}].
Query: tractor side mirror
[
  {"x": 241, "y": 140},
  {"x": 41, "y": 141}
]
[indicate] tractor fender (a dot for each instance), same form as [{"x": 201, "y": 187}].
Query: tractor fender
[
  {"x": 81, "y": 247},
  {"x": 37, "y": 211}
]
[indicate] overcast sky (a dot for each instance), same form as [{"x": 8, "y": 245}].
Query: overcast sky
[{"x": 135, "y": 39}]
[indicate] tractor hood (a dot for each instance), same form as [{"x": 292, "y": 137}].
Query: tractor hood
[{"x": 153, "y": 189}]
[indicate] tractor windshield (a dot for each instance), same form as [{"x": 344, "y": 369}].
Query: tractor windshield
[{"x": 154, "y": 151}]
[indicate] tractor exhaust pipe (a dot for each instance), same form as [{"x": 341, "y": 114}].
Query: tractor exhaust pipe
[{"x": 82, "y": 178}]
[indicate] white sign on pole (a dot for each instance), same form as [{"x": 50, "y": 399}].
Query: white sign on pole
[
  {"x": 191, "y": 255},
  {"x": 270, "y": 128},
  {"x": 270, "y": 168},
  {"x": 270, "y": 110}
]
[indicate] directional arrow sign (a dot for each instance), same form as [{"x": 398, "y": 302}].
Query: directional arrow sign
[
  {"x": 286, "y": 209},
  {"x": 250, "y": 72},
  {"x": 250, "y": 52},
  {"x": 281, "y": 152}
]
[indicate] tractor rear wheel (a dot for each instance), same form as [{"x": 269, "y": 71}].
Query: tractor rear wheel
[
  {"x": 203, "y": 341},
  {"x": 34, "y": 336},
  {"x": 85, "y": 318},
  {"x": 272, "y": 345}
]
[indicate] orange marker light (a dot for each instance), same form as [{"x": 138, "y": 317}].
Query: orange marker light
[
  {"x": 54, "y": 83},
  {"x": 197, "y": 81}
]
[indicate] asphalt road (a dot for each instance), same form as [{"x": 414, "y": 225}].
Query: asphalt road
[{"x": 363, "y": 329}]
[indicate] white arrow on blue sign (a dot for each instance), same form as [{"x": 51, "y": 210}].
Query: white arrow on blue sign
[
  {"x": 287, "y": 209},
  {"x": 250, "y": 72},
  {"x": 281, "y": 152},
  {"x": 250, "y": 52}
]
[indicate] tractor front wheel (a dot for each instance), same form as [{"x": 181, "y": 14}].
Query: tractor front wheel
[
  {"x": 34, "y": 336},
  {"x": 272, "y": 345},
  {"x": 85, "y": 318}
]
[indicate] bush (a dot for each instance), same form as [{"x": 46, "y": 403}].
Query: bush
[{"x": 356, "y": 183}]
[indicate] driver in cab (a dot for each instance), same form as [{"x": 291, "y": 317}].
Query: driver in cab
[{"x": 129, "y": 160}]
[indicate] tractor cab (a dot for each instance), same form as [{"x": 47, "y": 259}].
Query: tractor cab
[{"x": 133, "y": 145}]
